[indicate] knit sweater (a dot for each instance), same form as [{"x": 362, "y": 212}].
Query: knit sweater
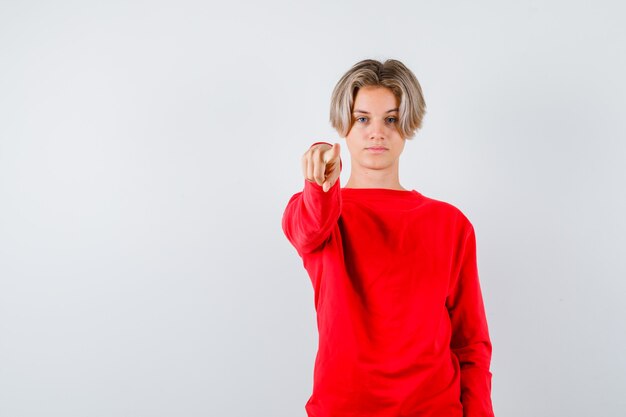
[{"x": 400, "y": 315}]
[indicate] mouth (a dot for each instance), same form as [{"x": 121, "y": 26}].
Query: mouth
[{"x": 376, "y": 149}]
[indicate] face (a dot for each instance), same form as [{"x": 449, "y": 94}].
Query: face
[{"x": 374, "y": 141}]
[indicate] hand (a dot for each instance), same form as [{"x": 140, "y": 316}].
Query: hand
[{"x": 321, "y": 164}]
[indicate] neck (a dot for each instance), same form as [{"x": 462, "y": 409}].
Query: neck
[{"x": 372, "y": 178}]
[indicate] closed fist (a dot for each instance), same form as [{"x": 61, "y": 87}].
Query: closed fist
[{"x": 321, "y": 164}]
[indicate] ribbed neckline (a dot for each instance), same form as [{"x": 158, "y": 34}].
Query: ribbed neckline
[{"x": 378, "y": 192}]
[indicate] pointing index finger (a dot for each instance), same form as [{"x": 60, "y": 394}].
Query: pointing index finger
[{"x": 332, "y": 153}]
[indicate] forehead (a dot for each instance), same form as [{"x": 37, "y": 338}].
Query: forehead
[{"x": 375, "y": 98}]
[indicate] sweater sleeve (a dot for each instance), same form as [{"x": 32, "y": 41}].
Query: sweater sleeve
[
  {"x": 470, "y": 335},
  {"x": 311, "y": 214}
]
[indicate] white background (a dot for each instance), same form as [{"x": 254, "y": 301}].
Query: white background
[{"x": 148, "y": 148}]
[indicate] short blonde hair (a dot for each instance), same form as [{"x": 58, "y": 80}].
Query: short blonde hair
[{"x": 391, "y": 74}]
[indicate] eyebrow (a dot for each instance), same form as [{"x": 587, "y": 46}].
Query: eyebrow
[{"x": 366, "y": 112}]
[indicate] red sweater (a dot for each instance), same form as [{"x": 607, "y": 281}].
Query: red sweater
[{"x": 400, "y": 315}]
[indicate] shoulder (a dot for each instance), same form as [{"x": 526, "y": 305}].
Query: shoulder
[{"x": 448, "y": 211}]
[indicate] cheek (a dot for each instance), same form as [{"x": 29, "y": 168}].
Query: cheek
[
  {"x": 351, "y": 138},
  {"x": 351, "y": 145},
  {"x": 400, "y": 146}
]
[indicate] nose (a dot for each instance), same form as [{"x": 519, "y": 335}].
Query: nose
[{"x": 377, "y": 130}]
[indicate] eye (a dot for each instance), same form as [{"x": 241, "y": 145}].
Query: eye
[
  {"x": 361, "y": 119},
  {"x": 391, "y": 120}
]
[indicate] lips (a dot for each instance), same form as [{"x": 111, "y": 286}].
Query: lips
[{"x": 376, "y": 149}]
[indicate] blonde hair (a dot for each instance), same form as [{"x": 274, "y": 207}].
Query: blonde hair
[{"x": 391, "y": 74}]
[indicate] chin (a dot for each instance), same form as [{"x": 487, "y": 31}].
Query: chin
[{"x": 369, "y": 164}]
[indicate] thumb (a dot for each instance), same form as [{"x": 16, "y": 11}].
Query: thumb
[{"x": 332, "y": 153}]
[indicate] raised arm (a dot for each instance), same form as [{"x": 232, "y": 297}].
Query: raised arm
[
  {"x": 311, "y": 214},
  {"x": 470, "y": 335}
]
